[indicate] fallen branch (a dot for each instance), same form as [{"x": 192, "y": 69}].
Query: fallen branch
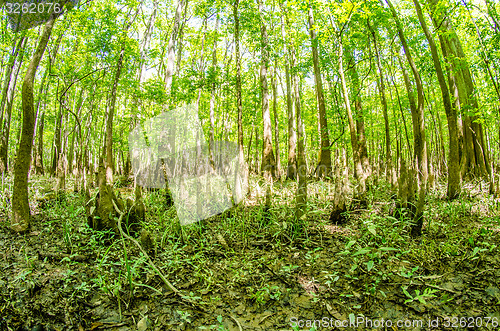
[
  {"x": 237, "y": 323},
  {"x": 150, "y": 262}
]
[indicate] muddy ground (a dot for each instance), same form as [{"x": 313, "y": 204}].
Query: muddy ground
[{"x": 241, "y": 271}]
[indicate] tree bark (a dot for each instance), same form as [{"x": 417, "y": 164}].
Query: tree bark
[
  {"x": 451, "y": 113},
  {"x": 276, "y": 126},
  {"x": 268, "y": 163},
  {"x": 171, "y": 47},
  {"x": 325, "y": 159},
  {"x": 362, "y": 152},
  {"x": 420, "y": 151},
  {"x": 20, "y": 204},
  {"x": 291, "y": 172},
  {"x": 358, "y": 168},
  {"x": 9, "y": 98},
  {"x": 213, "y": 90},
  {"x": 383, "y": 100},
  {"x": 475, "y": 162},
  {"x": 112, "y": 103},
  {"x": 241, "y": 180}
]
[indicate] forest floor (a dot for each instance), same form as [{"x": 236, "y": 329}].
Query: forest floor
[{"x": 241, "y": 271}]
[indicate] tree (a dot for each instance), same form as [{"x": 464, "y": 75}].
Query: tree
[
  {"x": 390, "y": 175},
  {"x": 475, "y": 156},
  {"x": 324, "y": 167},
  {"x": 291, "y": 170},
  {"x": 11, "y": 74},
  {"x": 20, "y": 205},
  {"x": 451, "y": 112},
  {"x": 417, "y": 112},
  {"x": 268, "y": 164}
]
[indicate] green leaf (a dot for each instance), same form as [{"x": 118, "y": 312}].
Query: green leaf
[
  {"x": 365, "y": 250},
  {"x": 386, "y": 249},
  {"x": 349, "y": 244},
  {"x": 369, "y": 265}
]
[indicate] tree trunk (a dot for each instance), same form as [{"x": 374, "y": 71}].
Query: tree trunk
[
  {"x": 268, "y": 163},
  {"x": 291, "y": 172},
  {"x": 16, "y": 47},
  {"x": 241, "y": 179},
  {"x": 325, "y": 160},
  {"x": 213, "y": 90},
  {"x": 57, "y": 136},
  {"x": 362, "y": 152},
  {"x": 358, "y": 168},
  {"x": 476, "y": 153},
  {"x": 9, "y": 98},
  {"x": 420, "y": 151},
  {"x": 171, "y": 47},
  {"x": 383, "y": 100},
  {"x": 301, "y": 195},
  {"x": 451, "y": 113},
  {"x": 276, "y": 126},
  {"x": 20, "y": 204}
]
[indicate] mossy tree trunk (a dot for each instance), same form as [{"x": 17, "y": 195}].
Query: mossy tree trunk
[{"x": 20, "y": 205}]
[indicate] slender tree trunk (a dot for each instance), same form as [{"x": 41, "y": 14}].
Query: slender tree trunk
[
  {"x": 276, "y": 126},
  {"x": 39, "y": 145},
  {"x": 325, "y": 159},
  {"x": 362, "y": 152},
  {"x": 17, "y": 45},
  {"x": 268, "y": 163},
  {"x": 57, "y": 137},
  {"x": 383, "y": 100},
  {"x": 9, "y": 98},
  {"x": 213, "y": 90},
  {"x": 171, "y": 47},
  {"x": 418, "y": 129},
  {"x": 241, "y": 180},
  {"x": 451, "y": 113},
  {"x": 112, "y": 104},
  {"x": 358, "y": 168},
  {"x": 291, "y": 172},
  {"x": 301, "y": 195},
  {"x": 20, "y": 205}
]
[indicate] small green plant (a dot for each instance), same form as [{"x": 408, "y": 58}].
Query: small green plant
[
  {"x": 428, "y": 293},
  {"x": 219, "y": 326},
  {"x": 184, "y": 315},
  {"x": 407, "y": 273},
  {"x": 289, "y": 268},
  {"x": 267, "y": 293}
]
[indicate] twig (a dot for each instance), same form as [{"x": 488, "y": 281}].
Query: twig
[
  {"x": 482, "y": 272},
  {"x": 150, "y": 262},
  {"x": 276, "y": 275},
  {"x": 267, "y": 316},
  {"x": 238, "y": 323}
]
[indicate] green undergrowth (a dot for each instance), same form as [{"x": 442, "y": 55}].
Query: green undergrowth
[{"x": 267, "y": 261}]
